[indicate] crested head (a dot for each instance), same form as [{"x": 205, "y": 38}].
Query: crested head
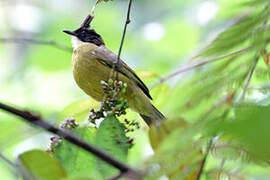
[
  {"x": 89, "y": 35},
  {"x": 85, "y": 34}
]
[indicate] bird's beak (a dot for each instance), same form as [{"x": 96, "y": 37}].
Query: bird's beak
[{"x": 70, "y": 32}]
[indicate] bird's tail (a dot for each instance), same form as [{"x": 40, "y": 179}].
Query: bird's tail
[{"x": 155, "y": 117}]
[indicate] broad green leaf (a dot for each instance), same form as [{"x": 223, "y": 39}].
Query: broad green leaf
[
  {"x": 38, "y": 164},
  {"x": 249, "y": 131},
  {"x": 158, "y": 134},
  {"x": 146, "y": 74},
  {"x": 76, "y": 161},
  {"x": 160, "y": 94},
  {"x": 78, "y": 109},
  {"x": 193, "y": 165},
  {"x": 112, "y": 139},
  {"x": 178, "y": 156}
]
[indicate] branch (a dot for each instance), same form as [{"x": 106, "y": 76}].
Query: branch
[
  {"x": 51, "y": 43},
  {"x": 250, "y": 74},
  {"x": 94, "y": 7},
  {"x": 228, "y": 98},
  {"x": 125, "y": 30},
  {"x": 9, "y": 162},
  {"x": 38, "y": 121},
  {"x": 123, "y": 38},
  {"x": 120, "y": 49},
  {"x": 210, "y": 144},
  {"x": 196, "y": 64}
]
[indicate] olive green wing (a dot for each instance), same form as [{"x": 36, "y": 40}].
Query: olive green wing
[{"x": 109, "y": 58}]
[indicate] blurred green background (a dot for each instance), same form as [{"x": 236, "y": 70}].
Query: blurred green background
[{"x": 38, "y": 77}]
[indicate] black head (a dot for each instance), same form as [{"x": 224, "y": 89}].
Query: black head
[{"x": 85, "y": 34}]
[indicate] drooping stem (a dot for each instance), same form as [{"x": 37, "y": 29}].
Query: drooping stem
[
  {"x": 196, "y": 64},
  {"x": 11, "y": 164},
  {"x": 51, "y": 43},
  {"x": 250, "y": 74},
  {"x": 209, "y": 146}
]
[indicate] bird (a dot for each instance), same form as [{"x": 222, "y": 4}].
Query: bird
[{"x": 92, "y": 62}]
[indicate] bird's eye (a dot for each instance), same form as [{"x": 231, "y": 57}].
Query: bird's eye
[{"x": 83, "y": 33}]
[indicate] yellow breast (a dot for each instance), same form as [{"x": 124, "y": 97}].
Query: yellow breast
[{"x": 88, "y": 71}]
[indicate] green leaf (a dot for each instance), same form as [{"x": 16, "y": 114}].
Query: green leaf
[
  {"x": 146, "y": 74},
  {"x": 41, "y": 165},
  {"x": 160, "y": 94},
  {"x": 77, "y": 162},
  {"x": 248, "y": 132},
  {"x": 178, "y": 155},
  {"x": 194, "y": 97},
  {"x": 111, "y": 138},
  {"x": 158, "y": 134},
  {"x": 243, "y": 33},
  {"x": 233, "y": 36},
  {"x": 78, "y": 110}
]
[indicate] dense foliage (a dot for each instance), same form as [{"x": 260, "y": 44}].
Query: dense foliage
[{"x": 217, "y": 109}]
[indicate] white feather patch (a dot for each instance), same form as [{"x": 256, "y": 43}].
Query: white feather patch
[{"x": 76, "y": 42}]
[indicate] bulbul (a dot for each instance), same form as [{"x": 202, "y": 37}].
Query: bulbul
[{"x": 92, "y": 62}]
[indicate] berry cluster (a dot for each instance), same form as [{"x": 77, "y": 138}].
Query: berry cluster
[
  {"x": 68, "y": 124},
  {"x": 113, "y": 103},
  {"x": 54, "y": 141},
  {"x": 131, "y": 125}
]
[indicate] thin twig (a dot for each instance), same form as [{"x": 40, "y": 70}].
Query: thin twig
[
  {"x": 221, "y": 168},
  {"x": 38, "y": 121},
  {"x": 9, "y": 162},
  {"x": 125, "y": 30},
  {"x": 123, "y": 37},
  {"x": 210, "y": 144},
  {"x": 51, "y": 43},
  {"x": 121, "y": 47},
  {"x": 250, "y": 74},
  {"x": 196, "y": 64},
  {"x": 226, "y": 99},
  {"x": 94, "y": 7}
]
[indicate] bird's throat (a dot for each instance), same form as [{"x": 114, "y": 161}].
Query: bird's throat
[{"x": 76, "y": 43}]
